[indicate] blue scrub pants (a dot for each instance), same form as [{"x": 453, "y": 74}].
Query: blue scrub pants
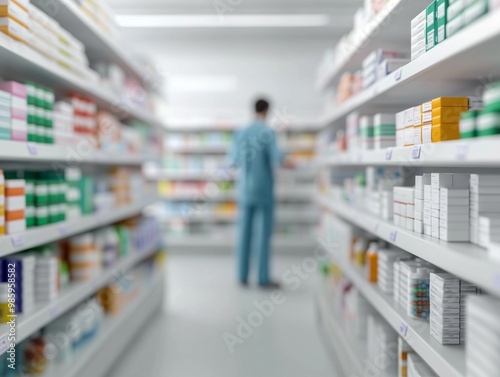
[{"x": 255, "y": 231}]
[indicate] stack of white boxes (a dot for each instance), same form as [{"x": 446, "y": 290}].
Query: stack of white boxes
[
  {"x": 450, "y": 206},
  {"x": 352, "y": 127},
  {"x": 64, "y": 132},
  {"x": 483, "y": 336},
  {"x": 404, "y": 207},
  {"x": 484, "y": 201},
  {"x": 46, "y": 278},
  {"x": 418, "y": 225},
  {"x": 426, "y": 109},
  {"x": 383, "y": 61},
  {"x": 385, "y": 271},
  {"x": 381, "y": 342},
  {"x": 445, "y": 308},
  {"x": 418, "y": 25},
  {"x": 405, "y": 121},
  {"x": 466, "y": 290},
  {"x": 426, "y": 178},
  {"x": 417, "y": 125},
  {"x": 384, "y": 130},
  {"x": 489, "y": 230}
]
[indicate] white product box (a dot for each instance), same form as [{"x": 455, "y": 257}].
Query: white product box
[
  {"x": 419, "y": 205},
  {"x": 435, "y": 232},
  {"x": 419, "y": 216},
  {"x": 453, "y": 224},
  {"x": 427, "y": 106},
  {"x": 453, "y": 236},
  {"x": 409, "y": 224},
  {"x": 435, "y": 222},
  {"x": 410, "y": 211},
  {"x": 435, "y": 213},
  {"x": 417, "y": 135},
  {"x": 419, "y": 182},
  {"x": 17, "y": 226},
  {"x": 417, "y": 54},
  {"x": 427, "y": 117},
  {"x": 427, "y": 134},
  {"x": 418, "y": 45},
  {"x": 427, "y": 220},
  {"x": 479, "y": 180},
  {"x": 420, "y": 18},
  {"x": 418, "y": 226},
  {"x": 446, "y": 193},
  {"x": 409, "y": 117},
  {"x": 397, "y": 220},
  {"x": 494, "y": 250},
  {"x": 450, "y": 180},
  {"x": 427, "y": 206},
  {"x": 418, "y": 28},
  {"x": 436, "y": 195},
  {"x": 415, "y": 39},
  {"x": 409, "y": 137},
  {"x": 419, "y": 194},
  {"x": 450, "y": 216},
  {"x": 428, "y": 230}
]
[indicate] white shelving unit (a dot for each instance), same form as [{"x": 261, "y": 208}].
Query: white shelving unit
[
  {"x": 390, "y": 28},
  {"x": 459, "y": 66},
  {"x": 115, "y": 335},
  {"x": 43, "y": 314},
  {"x": 445, "y": 360},
  {"x": 99, "y": 45},
  {"x": 459, "y": 61},
  {"x": 34, "y": 152},
  {"x": 45, "y": 234},
  {"x": 20, "y": 62},
  {"x": 478, "y": 152}
]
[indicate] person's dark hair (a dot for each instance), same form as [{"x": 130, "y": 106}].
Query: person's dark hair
[{"x": 261, "y": 106}]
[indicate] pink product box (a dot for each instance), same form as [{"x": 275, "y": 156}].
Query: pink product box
[
  {"x": 19, "y": 135},
  {"x": 14, "y": 88},
  {"x": 18, "y": 113}
]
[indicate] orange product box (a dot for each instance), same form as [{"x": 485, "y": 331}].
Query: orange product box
[
  {"x": 445, "y": 132},
  {"x": 14, "y": 29},
  {"x": 11, "y": 9},
  {"x": 450, "y": 102},
  {"x": 14, "y": 191},
  {"x": 449, "y": 111},
  {"x": 14, "y": 215}
]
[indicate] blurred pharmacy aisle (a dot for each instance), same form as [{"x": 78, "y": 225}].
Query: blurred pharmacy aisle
[{"x": 187, "y": 338}]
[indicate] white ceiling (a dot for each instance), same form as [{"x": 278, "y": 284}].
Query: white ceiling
[{"x": 340, "y": 11}]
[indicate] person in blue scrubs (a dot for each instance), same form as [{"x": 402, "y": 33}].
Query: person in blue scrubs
[{"x": 256, "y": 154}]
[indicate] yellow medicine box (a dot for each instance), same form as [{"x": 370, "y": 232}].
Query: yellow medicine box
[
  {"x": 11, "y": 9},
  {"x": 445, "y": 132},
  {"x": 449, "y": 111},
  {"x": 14, "y": 29},
  {"x": 450, "y": 102},
  {"x": 451, "y": 119}
]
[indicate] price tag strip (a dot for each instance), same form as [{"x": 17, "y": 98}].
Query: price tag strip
[
  {"x": 388, "y": 154},
  {"x": 393, "y": 235},
  {"x": 415, "y": 153},
  {"x": 18, "y": 240},
  {"x": 4, "y": 343},
  {"x": 32, "y": 149},
  {"x": 403, "y": 329}
]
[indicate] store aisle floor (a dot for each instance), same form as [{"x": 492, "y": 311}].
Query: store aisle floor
[{"x": 203, "y": 304}]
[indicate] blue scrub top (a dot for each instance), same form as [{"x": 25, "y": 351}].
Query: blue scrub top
[{"x": 255, "y": 152}]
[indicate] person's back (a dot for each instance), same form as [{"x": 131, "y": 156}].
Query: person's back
[{"x": 256, "y": 153}]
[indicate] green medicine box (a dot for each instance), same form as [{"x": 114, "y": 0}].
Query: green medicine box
[
  {"x": 430, "y": 26},
  {"x": 441, "y": 19}
]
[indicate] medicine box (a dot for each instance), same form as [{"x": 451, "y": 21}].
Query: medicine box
[
  {"x": 14, "y": 29},
  {"x": 420, "y": 18},
  {"x": 445, "y": 132},
  {"x": 455, "y": 25},
  {"x": 441, "y": 9},
  {"x": 431, "y": 26},
  {"x": 450, "y": 180},
  {"x": 11, "y": 9},
  {"x": 450, "y": 102},
  {"x": 477, "y": 9}
]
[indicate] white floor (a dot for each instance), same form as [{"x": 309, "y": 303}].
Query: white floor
[{"x": 203, "y": 303}]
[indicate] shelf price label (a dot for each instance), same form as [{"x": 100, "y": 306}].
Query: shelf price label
[
  {"x": 388, "y": 154},
  {"x": 32, "y": 149},
  {"x": 415, "y": 152},
  {"x": 398, "y": 74},
  {"x": 63, "y": 229},
  {"x": 4, "y": 343},
  {"x": 18, "y": 240},
  {"x": 54, "y": 311},
  {"x": 403, "y": 329},
  {"x": 462, "y": 151},
  {"x": 393, "y": 235}
]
